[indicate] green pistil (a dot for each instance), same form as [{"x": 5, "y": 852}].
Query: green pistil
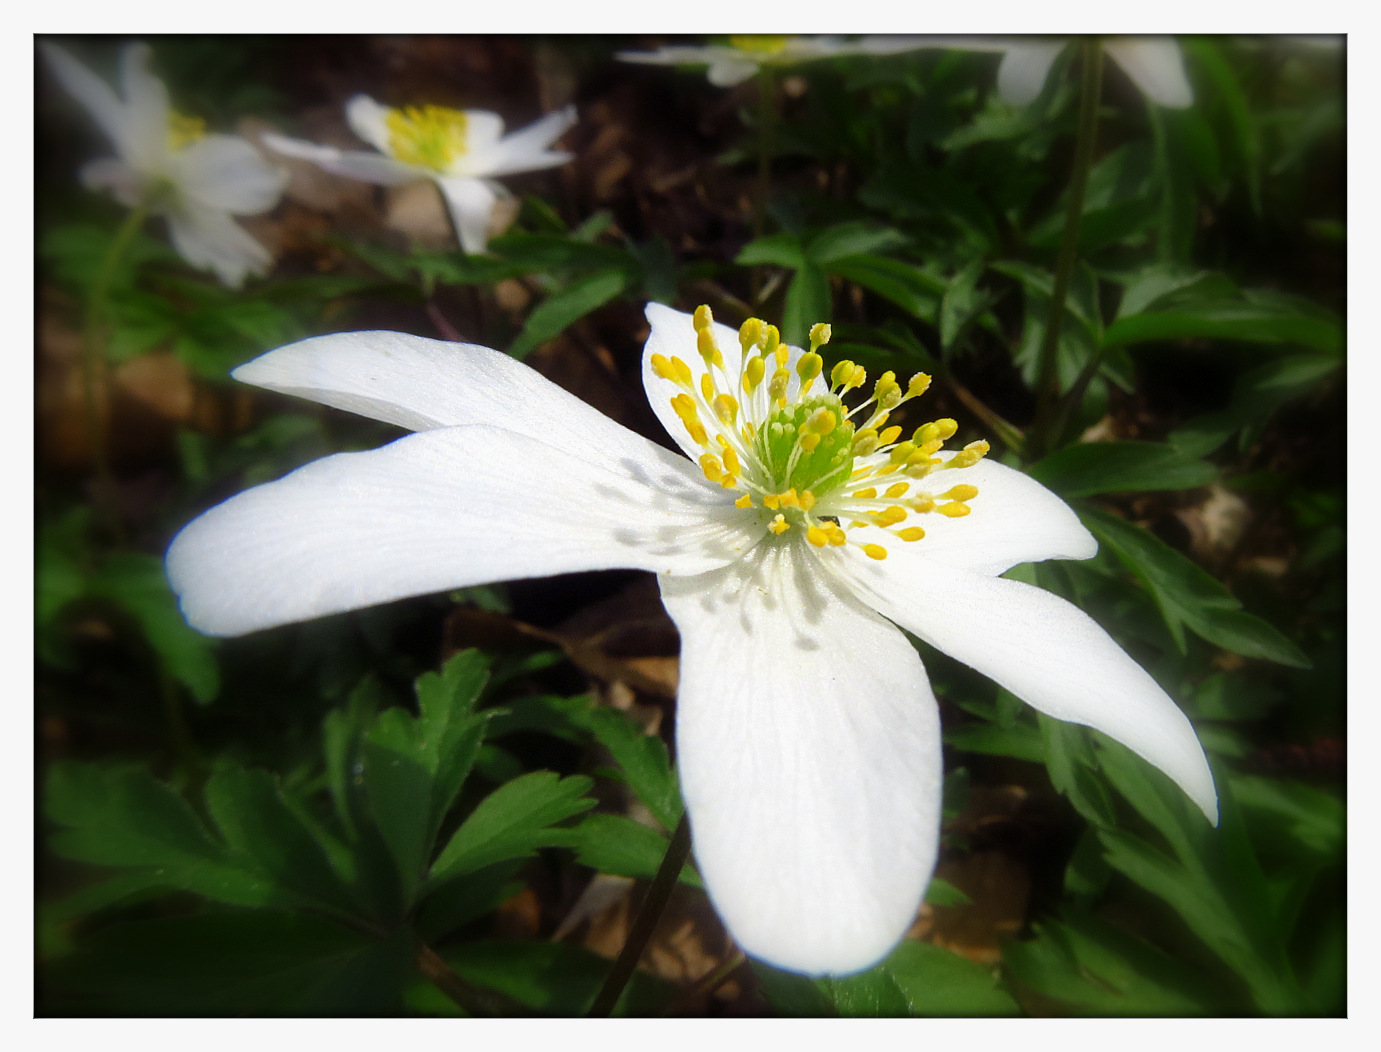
[{"x": 820, "y": 470}]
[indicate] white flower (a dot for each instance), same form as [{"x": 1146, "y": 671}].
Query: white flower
[
  {"x": 165, "y": 161},
  {"x": 1154, "y": 64},
  {"x": 462, "y": 151},
  {"x": 734, "y": 62},
  {"x": 789, "y": 554}
]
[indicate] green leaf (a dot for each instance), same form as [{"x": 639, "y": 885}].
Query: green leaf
[
  {"x": 780, "y": 250},
  {"x": 252, "y": 814},
  {"x": 807, "y": 302},
  {"x": 962, "y": 301},
  {"x": 873, "y": 994},
  {"x": 909, "y": 287},
  {"x": 1070, "y": 761},
  {"x": 1188, "y": 596},
  {"x": 1089, "y": 468},
  {"x": 936, "y": 982},
  {"x": 138, "y": 585},
  {"x": 793, "y": 995},
  {"x": 1227, "y": 320},
  {"x": 513, "y": 822},
  {"x": 1021, "y": 742},
  {"x": 851, "y": 239},
  {"x": 625, "y": 848},
  {"x": 125, "y": 818},
  {"x": 644, "y": 760},
  {"x": 563, "y": 308}
]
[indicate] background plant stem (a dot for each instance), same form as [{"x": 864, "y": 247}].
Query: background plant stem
[
  {"x": 649, "y": 913},
  {"x": 1042, "y": 437}
]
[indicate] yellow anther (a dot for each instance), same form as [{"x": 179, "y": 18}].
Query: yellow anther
[
  {"x": 837, "y": 535},
  {"x": 697, "y": 432},
  {"x": 753, "y": 373},
  {"x": 779, "y": 525},
  {"x": 859, "y": 378},
  {"x": 890, "y": 515},
  {"x": 901, "y": 452},
  {"x": 865, "y": 442},
  {"x": 865, "y": 494},
  {"x": 710, "y": 465},
  {"x": 806, "y": 500},
  {"x": 820, "y": 334},
  {"x": 709, "y": 350},
  {"x": 662, "y": 367},
  {"x": 728, "y": 481},
  {"x": 875, "y": 551},
  {"x": 771, "y": 338},
  {"x": 879, "y": 419},
  {"x": 702, "y": 318},
  {"x": 917, "y": 385},
  {"x": 789, "y": 499},
  {"x": 184, "y": 130},
  {"x": 817, "y": 536},
  {"x": 808, "y": 442},
  {"x": 964, "y": 492},
  {"x": 822, "y": 421},
  {"x": 706, "y": 387},
  {"x": 776, "y": 387},
  {"x": 955, "y": 510},
  {"x": 745, "y": 501},
  {"x": 750, "y": 333},
  {"x": 886, "y": 391},
  {"x": 841, "y": 374},
  {"x": 911, "y": 533},
  {"x": 922, "y": 503},
  {"x": 731, "y": 462},
  {"x": 772, "y": 501},
  {"x": 889, "y": 435},
  {"x": 969, "y": 455},
  {"x": 808, "y": 368},
  {"x": 898, "y": 489},
  {"x": 431, "y": 136},
  {"x": 930, "y": 448},
  {"x": 726, "y": 408},
  {"x": 782, "y": 354}
]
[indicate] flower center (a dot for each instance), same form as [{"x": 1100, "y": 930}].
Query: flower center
[
  {"x": 760, "y": 45},
  {"x": 183, "y": 131},
  {"x": 430, "y": 136},
  {"x": 781, "y": 437}
]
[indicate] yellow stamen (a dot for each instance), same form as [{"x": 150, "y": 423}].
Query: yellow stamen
[
  {"x": 964, "y": 492},
  {"x": 745, "y": 501},
  {"x": 911, "y": 533},
  {"x": 954, "y": 510},
  {"x": 820, "y": 334},
  {"x": 430, "y": 136},
  {"x": 779, "y": 525},
  {"x": 899, "y": 489},
  {"x": 710, "y": 465},
  {"x": 817, "y": 536},
  {"x": 875, "y": 551}
]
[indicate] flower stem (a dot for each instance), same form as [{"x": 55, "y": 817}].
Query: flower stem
[
  {"x": 1042, "y": 435},
  {"x": 767, "y": 120},
  {"x": 94, "y": 359},
  {"x": 649, "y": 913}
]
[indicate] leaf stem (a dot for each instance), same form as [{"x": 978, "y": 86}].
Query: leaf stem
[
  {"x": 649, "y": 913},
  {"x": 94, "y": 359},
  {"x": 1042, "y": 436}
]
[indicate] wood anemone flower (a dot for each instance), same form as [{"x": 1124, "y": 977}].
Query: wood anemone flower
[
  {"x": 167, "y": 163},
  {"x": 462, "y": 151},
  {"x": 790, "y": 553}
]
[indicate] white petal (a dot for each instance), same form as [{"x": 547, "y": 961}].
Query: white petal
[
  {"x": 673, "y": 55},
  {"x": 227, "y": 173},
  {"x": 146, "y": 109},
  {"x": 1045, "y": 651},
  {"x": 1156, "y": 66},
  {"x": 471, "y": 204},
  {"x": 1024, "y": 68},
  {"x": 807, "y": 742},
  {"x": 526, "y": 150},
  {"x": 483, "y": 130},
  {"x": 352, "y": 164},
  {"x": 212, "y": 240},
  {"x": 92, "y": 93},
  {"x": 1014, "y": 519},
  {"x": 730, "y": 69},
  {"x": 430, "y": 512},
  {"x": 422, "y": 384},
  {"x": 125, "y": 184},
  {"x": 673, "y": 334},
  {"x": 369, "y": 121}
]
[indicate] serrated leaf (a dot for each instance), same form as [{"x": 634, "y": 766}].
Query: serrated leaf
[
  {"x": 564, "y": 308},
  {"x": 1089, "y": 468},
  {"x": 625, "y": 848},
  {"x": 644, "y": 760},
  {"x": 514, "y": 821},
  {"x": 935, "y": 982},
  {"x": 873, "y": 994}
]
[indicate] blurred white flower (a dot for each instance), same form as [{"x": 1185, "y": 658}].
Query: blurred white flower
[
  {"x": 1154, "y": 64},
  {"x": 788, "y": 554},
  {"x": 742, "y": 56},
  {"x": 462, "y": 151},
  {"x": 166, "y": 162}
]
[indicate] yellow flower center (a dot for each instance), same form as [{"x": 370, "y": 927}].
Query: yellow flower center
[
  {"x": 781, "y": 437},
  {"x": 183, "y": 131},
  {"x": 430, "y": 136},
  {"x": 760, "y": 45}
]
